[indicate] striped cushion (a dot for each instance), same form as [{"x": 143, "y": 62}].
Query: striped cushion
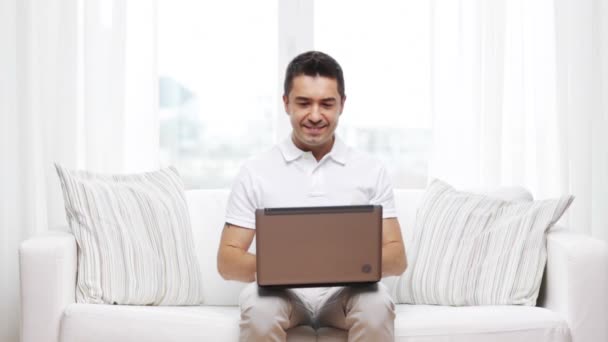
[
  {"x": 470, "y": 249},
  {"x": 134, "y": 238}
]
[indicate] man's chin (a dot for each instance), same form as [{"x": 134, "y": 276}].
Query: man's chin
[
  {"x": 317, "y": 140},
  {"x": 313, "y": 140}
]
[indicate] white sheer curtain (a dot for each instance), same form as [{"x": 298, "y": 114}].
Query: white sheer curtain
[
  {"x": 520, "y": 97},
  {"x": 78, "y": 87}
]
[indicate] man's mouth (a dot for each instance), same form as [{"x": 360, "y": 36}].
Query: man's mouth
[{"x": 314, "y": 129}]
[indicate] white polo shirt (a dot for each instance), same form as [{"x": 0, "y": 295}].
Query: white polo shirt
[{"x": 286, "y": 176}]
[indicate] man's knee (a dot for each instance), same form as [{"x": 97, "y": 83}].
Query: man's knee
[
  {"x": 373, "y": 304},
  {"x": 263, "y": 313}
]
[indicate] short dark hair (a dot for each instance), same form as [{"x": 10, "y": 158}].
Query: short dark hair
[{"x": 314, "y": 63}]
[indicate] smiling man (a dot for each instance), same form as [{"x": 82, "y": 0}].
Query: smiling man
[{"x": 311, "y": 167}]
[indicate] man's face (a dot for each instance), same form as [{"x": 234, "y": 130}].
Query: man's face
[{"x": 314, "y": 106}]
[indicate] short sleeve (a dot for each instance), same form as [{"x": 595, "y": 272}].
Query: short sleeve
[
  {"x": 383, "y": 194},
  {"x": 242, "y": 203}
]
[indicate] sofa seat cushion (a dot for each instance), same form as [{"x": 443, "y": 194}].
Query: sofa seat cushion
[
  {"x": 117, "y": 323},
  {"x": 414, "y": 323},
  {"x": 418, "y": 323}
]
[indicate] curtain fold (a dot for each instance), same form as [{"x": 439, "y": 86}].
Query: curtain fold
[
  {"x": 582, "y": 87},
  {"x": 72, "y": 91},
  {"x": 519, "y": 97}
]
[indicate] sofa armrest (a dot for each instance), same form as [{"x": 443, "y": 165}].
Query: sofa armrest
[
  {"x": 576, "y": 283},
  {"x": 48, "y": 283}
]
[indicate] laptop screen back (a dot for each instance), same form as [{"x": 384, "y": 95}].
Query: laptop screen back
[{"x": 319, "y": 246}]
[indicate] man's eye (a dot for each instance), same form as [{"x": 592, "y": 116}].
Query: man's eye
[{"x": 302, "y": 104}]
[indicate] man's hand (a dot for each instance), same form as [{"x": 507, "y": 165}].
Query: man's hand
[
  {"x": 233, "y": 260},
  {"x": 394, "y": 261}
]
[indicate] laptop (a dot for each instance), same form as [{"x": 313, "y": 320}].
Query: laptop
[{"x": 319, "y": 246}]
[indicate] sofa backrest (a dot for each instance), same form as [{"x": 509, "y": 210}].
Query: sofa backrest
[{"x": 207, "y": 213}]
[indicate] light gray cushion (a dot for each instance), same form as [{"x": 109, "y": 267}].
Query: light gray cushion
[
  {"x": 134, "y": 238},
  {"x": 473, "y": 249}
]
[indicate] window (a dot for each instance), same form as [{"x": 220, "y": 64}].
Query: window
[
  {"x": 222, "y": 71},
  {"x": 383, "y": 47},
  {"x": 218, "y": 86}
]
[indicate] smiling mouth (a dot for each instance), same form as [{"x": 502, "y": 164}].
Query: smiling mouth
[{"x": 315, "y": 127}]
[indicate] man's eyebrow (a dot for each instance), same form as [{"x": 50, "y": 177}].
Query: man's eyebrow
[{"x": 327, "y": 99}]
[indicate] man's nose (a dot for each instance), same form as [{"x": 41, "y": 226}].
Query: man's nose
[{"x": 315, "y": 114}]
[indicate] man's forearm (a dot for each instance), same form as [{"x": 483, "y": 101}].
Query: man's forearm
[
  {"x": 393, "y": 260},
  {"x": 241, "y": 266},
  {"x": 238, "y": 265}
]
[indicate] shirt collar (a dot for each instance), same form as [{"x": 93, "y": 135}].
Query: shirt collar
[{"x": 291, "y": 152}]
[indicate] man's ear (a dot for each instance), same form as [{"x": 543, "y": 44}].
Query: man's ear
[
  {"x": 285, "y": 103},
  {"x": 343, "y": 100}
]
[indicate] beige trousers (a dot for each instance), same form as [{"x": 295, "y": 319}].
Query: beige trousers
[{"x": 366, "y": 312}]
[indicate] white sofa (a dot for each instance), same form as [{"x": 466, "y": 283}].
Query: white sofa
[{"x": 573, "y": 304}]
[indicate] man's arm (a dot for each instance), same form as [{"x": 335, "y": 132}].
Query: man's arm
[
  {"x": 233, "y": 260},
  {"x": 394, "y": 261}
]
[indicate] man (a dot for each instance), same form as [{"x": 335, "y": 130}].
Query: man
[{"x": 312, "y": 167}]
